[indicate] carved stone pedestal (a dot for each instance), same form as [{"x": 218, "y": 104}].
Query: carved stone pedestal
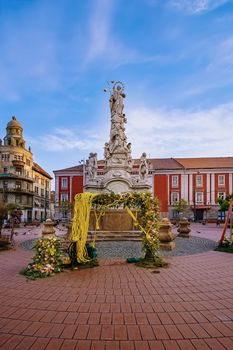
[
  {"x": 166, "y": 237},
  {"x": 184, "y": 228},
  {"x": 48, "y": 231}
]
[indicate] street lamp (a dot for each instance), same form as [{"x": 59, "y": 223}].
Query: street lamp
[{"x": 82, "y": 161}]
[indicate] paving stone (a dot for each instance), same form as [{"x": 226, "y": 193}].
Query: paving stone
[{"x": 120, "y": 306}]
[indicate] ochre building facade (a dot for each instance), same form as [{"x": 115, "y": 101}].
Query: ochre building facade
[{"x": 22, "y": 181}]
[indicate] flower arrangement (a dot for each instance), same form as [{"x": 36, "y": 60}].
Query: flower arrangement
[{"x": 47, "y": 260}]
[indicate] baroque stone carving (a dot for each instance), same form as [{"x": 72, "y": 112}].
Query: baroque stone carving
[
  {"x": 92, "y": 166},
  {"x": 117, "y": 174},
  {"x": 117, "y": 150},
  {"x": 143, "y": 167}
]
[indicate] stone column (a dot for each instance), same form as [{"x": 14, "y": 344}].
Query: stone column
[
  {"x": 48, "y": 231},
  {"x": 184, "y": 229},
  {"x": 166, "y": 237}
]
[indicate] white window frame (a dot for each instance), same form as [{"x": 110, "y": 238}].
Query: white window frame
[
  {"x": 64, "y": 182},
  {"x": 201, "y": 199},
  {"x": 174, "y": 200},
  {"x": 222, "y": 195},
  {"x": 64, "y": 197},
  {"x": 199, "y": 180},
  {"x": 175, "y": 181},
  {"x": 221, "y": 183}
]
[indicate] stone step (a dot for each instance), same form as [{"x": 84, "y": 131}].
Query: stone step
[
  {"x": 108, "y": 239},
  {"x": 116, "y": 236}
]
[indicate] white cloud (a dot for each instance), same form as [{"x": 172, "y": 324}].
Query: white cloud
[
  {"x": 195, "y": 7},
  {"x": 159, "y": 132},
  {"x": 181, "y": 133},
  {"x": 106, "y": 45},
  {"x": 222, "y": 55},
  {"x": 99, "y": 28},
  {"x": 75, "y": 139}
]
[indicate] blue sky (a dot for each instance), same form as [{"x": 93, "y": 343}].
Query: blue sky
[{"x": 175, "y": 58}]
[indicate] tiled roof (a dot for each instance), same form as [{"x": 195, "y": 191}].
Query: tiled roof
[
  {"x": 171, "y": 164},
  {"x": 75, "y": 168},
  {"x": 160, "y": 163},
  {"x": 206, "y": 163},
  {"x": 164, "y": 163},
  {"x": 37, "y": 168}
]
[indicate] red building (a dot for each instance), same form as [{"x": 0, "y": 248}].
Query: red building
[{"x": 200, "y": 181}]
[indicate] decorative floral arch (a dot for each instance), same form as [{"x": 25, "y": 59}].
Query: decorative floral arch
[{"x": 146, "y": 219}]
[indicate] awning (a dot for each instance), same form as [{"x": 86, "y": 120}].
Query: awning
[{"x": 206, "y": 207}]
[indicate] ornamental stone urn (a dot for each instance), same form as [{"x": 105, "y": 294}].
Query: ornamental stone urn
[
  {"x": 166, "y": 237},
  {"x": 48, "y": 231},
  {"x": 184, "y": 228}
]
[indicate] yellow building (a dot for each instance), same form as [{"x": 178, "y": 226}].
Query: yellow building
[{"x": 22, "y": 181}]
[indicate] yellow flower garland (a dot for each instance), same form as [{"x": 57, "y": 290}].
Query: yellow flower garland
[
  {"x": 79, "y": 233},
  {"x": 82, "y": 209}
]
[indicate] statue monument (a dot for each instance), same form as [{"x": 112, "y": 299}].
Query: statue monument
[{"x": 117, "y": 174}]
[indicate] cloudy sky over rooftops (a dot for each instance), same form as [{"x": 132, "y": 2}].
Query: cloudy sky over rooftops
[{"x": 175, "y": 58}]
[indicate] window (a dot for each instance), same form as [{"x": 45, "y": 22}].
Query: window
[
  {"x": 222, "y": 195},
  {"x": 199, "y": 180},
  {"x": 174, "y": 197},
  {"x": 175, "y": 214},
  {"x": 64, "y": 197},
  {"x": 17, "y": 199},
  {"x": 64, "y": 182},
  {"x": 199, "y": 197},
  {"x": 18, "y": 185},
  {"x": 42, "y": 182},
  {"x": 36, "y": 189},
  {"x": 37, "y": 179},
  {"x": 18, "y": 171},
  {"x": 5, "y": 157},
  {"x": 221, "y": 180},
  {"x": 42, "y": 192},
  {"x": 175, "y": 181}
]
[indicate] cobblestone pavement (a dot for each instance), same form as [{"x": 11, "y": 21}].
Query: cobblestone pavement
[
  {"x": 119, "y": 306},
  {"x": 124, "y": 250}
]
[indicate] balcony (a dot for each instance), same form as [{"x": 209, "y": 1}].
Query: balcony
[
  {"x": 17, "y": 162},
  {"x": 14, "y": 175},
  {"x": 15, "y": 190}
]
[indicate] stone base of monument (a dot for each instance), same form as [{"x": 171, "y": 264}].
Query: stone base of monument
[
  {"x": 114, "y": 225},
  {"x": 112, "y": 221},
  {"x": 166, "y": 237},
  {"x": 133, "y": 236},
  {"x": 167, "y": 245}
]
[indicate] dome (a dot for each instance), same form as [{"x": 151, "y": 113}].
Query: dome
[{"x": 14, "y": 123}]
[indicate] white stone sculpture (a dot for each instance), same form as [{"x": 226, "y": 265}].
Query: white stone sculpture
[
  {"x": 92, "y": 166},
  {"x": 143, "y": 167},
  {"x": 116, "y": 151}
]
